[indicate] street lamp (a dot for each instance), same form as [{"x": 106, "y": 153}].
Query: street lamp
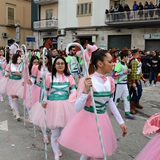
[{"x": 17, "y": 25}]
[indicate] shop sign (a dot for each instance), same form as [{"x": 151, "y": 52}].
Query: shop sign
[{"x": 152, "y": 36}]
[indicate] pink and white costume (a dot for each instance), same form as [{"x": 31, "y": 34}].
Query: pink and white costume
[
  {"x": 15, "y": 82},
  {"x": 36, "y": 79},
  {"x": 59, "y": 109},
  {"x": 81, "y": 134},
  {"x": 152, "y": 150},
  {"x": 4, "y": 80}
]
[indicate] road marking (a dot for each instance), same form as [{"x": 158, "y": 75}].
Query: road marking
[{"x": 4, "y": 125}]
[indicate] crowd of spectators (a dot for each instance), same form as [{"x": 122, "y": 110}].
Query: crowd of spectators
[{"x": 138, "y": 11}]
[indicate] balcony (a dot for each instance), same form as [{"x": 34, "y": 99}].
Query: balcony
[
  {"x": 41, "y": 2},
  {"x": 45, "y": 24},
  {"x": 133, "y": 19},
  {"x": 12, "y": 22}
]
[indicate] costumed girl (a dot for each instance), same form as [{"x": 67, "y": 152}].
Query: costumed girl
[
  {"x": 81, "y": 134},
  {"x": 59, "y": 110},
  {"x": 4, "y": 81},
  {"x": 33, "y": 62},
  {"x": 36, "y": 80},
  {"x": 36, "y": 77},
  {"x": 152, "y": 150},
  {"x": 15, "y": 79},
  {"x": 2, "y": 59}
]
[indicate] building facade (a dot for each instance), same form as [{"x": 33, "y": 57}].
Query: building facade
[
  {"x": 62, "y": 22},
  {"x": 15, "y": 22}
]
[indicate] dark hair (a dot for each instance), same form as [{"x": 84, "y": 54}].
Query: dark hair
[
  {"x": 15, "y": 57},
  {"x": 156, "y": 57},
  {"x": 98, "y": 55},
  {"x": 134, "y": 52},
  {"x": 70, "y": 48},
  {"x": 66, "y": 73},
  {"x": 7, "y": 57},
  {"x": 54, "y": 49},
  {"x": 31, "y": 63},
  {"x": 49, "y": 64},
  {"x": 123, "y": 54},
  {"x": 41, "y": 47}
]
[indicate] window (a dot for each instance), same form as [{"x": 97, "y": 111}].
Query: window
[
  {"x": 158, "y": 1},
  {"x": 11, "y": 15},
  {"x": 84, "y": 9},
  {"x": 49, "y": 14}
]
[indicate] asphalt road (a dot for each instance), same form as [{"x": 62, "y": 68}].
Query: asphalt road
[{"x": 17, "y": 142}]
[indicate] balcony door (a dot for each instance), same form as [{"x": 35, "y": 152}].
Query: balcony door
[{"x": 49, "y": 15}]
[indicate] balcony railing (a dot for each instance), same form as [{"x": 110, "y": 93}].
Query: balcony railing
[
  {"x": 12, "y": 22},
  {"x": 45, "y": 1},
  {"x": 46, "y": 24},
  {"x": 140, "y": 17}
]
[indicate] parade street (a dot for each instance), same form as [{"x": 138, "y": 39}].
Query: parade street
[{"x": 18, "y": 141}]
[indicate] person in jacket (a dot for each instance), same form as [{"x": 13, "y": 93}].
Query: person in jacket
[
  {"x": 127, "y": 10},
  {"x": 135, "y": 8},
  {"x": 140, "y": 12},
  {"x": 145, "y": 7},
  {"x": 151, "y": 9}
]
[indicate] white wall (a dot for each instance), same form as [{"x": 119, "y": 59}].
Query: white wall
[
  {"x": 98, "y": 10},
  {"x": 67, "y": 10}
]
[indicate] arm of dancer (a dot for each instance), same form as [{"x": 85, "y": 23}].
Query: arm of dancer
[
  {"x": 115, "y": 112},
  {"x": 8, "y": 71},
  {"x": 81, "y": 101},
  {"x": 47, "y": 88},
  {"x": 72, "y": 86},
  {"x": 34, "y": 74}
]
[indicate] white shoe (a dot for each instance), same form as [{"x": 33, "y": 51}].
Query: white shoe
[
  {"x": 154, "y": 85},
  {"x": 148, "y": 85},
  {"x": 18, "y": 118}
]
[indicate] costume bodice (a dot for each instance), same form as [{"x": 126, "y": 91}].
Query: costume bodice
[
  {"x": 60, "y": 88},
  {"x": 102, "y": 94}
]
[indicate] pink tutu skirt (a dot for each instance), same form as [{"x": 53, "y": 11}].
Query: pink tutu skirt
[
  {"x": 58, "y": 113},
  {"x": 19, "y": 89},
  {"x": 152, "y": 150},
  {"x": 1, "y": 75},
  {"x": 81, "y": 135},
  {"x": 3, "y": 85},
  {"x": 12, "y": 90},
  {"x": 35, "y": 94}
]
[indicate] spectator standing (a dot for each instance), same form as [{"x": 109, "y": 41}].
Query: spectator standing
[
  {"x": 127, "y": 10},
  {"x": 154, "y": 62},
  {"x": 151, "y": 9},
  {"x": 159, "y": 10},
  {"x": 121, "y": 12},
  {"x": 107, "y": 15},
  {"x": 111, "y": 11},
  {"x": 140, "y": 12},
  {"x": 156, "y": 11},
  {"x": 116, "y": 13},
  {"x": 135, "y": 8},
  {"x": 145, "y": 10}
]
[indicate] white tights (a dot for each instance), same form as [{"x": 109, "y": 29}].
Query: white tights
[
  {"x": 54, "y": 140},
  {"x": 83, "y": 157},
  {"x": 15, "y": 105},
  {"x": 10, "y": 101}
]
